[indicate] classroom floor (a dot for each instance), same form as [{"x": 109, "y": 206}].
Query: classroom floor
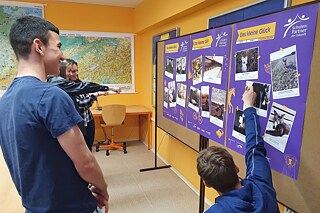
[{"x": 132, "y": 191}]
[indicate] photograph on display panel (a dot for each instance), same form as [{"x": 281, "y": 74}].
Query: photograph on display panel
[
  {"x": 218, "y": 101},
  {"x": 239, "y": 127},
  {"x": 247, "y": 64},
  {"x": 213, "y": 69},
  {"x": 279, "y": 126},
  {"x": 169, "y": 67},
  {"x": 172, "y": 94},
  {"x": 284, "y": 73},
  {"x": 181, "y": 69},
  {"x": 263, "y": 96},
  {"x": 197, "y": 70},
  {"x": 194, "y": 99},
  {"x": 205, "y": 101},
  {"x": 181, "y": 94}
]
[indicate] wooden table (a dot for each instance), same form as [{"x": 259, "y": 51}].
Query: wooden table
[{"x": 133, "y": 110}]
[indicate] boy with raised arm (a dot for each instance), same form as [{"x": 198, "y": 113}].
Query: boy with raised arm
[{"x": 216, "y": 167}]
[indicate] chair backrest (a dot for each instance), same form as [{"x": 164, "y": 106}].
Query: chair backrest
[{"x": 113, "y": 115}]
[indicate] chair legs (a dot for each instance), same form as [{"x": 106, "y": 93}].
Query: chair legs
[{"x": 112, "y": 144}]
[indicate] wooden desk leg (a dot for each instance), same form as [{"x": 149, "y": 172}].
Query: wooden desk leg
[
  {"x": 140, "y": 139},
  {"x": 149, "y": 130}
]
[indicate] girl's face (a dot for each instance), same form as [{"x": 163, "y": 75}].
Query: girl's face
[
  {"x": 68, "y": 72},
  {"x": 74, "y": 72}
]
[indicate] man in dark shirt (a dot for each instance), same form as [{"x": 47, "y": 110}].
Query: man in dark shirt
[{"x": 42, "y": 145}]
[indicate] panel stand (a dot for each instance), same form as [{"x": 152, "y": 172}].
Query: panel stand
[
  {"x": 155, "y": 134},
  {"x": 202, "y": 145}
]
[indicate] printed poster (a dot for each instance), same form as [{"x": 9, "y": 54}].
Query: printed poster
[
  {"x": 273, "y": 54},
  {"x": 207, "y": 82},
  {"x": 176, "y": 57}
]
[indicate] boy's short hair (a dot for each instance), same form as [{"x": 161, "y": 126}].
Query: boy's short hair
[
  {"x": 216, "y": 167},
  {"x": 25, "y": 30}
]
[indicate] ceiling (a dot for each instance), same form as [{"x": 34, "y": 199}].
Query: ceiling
[{"x": 118, "y": 3}]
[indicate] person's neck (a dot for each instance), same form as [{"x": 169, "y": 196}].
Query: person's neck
[
  {"x": 31, "y": 68},
  {"x": 237, "y": 187}
]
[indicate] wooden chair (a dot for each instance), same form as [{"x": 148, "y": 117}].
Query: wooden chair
[{"x": 112, "y": 115}]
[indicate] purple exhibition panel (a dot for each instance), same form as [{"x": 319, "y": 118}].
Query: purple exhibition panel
[
  {"x": 176, "y": 59},
  {"x": 273, "y": 54},
  {"x": 207, "y": 82}
]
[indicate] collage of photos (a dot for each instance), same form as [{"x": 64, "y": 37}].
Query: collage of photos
[
  {"x": 247, "y": 64},
  {"x": 284, "y": 73},
  {"x": 213, "y": 69},
  {"x": 218, "y": 101},
  {"x": 263, "y": 97},
  {"x": 279, "y": 126}
]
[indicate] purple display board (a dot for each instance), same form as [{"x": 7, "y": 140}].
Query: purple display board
[
  {"x": 207, "y": 82},
  {"x": 273, "y": 54},
  {"x": 176, "y": 57}
]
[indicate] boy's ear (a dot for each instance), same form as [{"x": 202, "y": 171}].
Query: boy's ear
[{"x": 237, "y": 168}]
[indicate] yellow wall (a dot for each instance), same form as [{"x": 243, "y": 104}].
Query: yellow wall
[{"x": 149, "y": 18}]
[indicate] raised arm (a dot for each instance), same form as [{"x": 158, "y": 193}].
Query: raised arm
[
  {"x": 76, "y": 88},
  {"x": 257, "y": 164}
]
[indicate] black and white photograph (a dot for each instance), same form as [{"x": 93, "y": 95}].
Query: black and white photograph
[
  {"x": 205, "y": 101},
  {"x": 263, "y": 97},
  {"x": 247, "y": 64},
  {"x": 165, "y": 97},
  {"x": 172, "y": 93},
  {"x": 218, "y": 103},
  {"x": 213, "y": 69},
  {"x": 181, "y": 69},
  {"x": 181, "y": 94},
  {"x": 194, "y": 99},
  {"x": 169, "y": 67},
  {"x": 239, "y": 126},
  {"x": 197, "y": 70},
  {"x": 284, "y": 73},
  {"x": 279, "y": 126}
]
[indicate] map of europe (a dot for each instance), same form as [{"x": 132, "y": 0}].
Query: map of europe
[
  {"x": 101, "y": 59},
  {"x": 8, "y": 62}
]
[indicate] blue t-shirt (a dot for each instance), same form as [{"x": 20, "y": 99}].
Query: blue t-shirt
[{"x": 33, "y": 114}]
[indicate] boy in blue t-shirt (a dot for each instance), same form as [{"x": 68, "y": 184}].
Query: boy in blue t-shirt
[
  {"x": 42, "y": 145},
  {"x": 216, "y": 167}
]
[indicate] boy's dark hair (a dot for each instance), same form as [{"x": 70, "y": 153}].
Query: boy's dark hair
[
  {"x": 216, "y": 167},
  {"x": 25, "y": 30},
  {"x": 63, "y": 66}
]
